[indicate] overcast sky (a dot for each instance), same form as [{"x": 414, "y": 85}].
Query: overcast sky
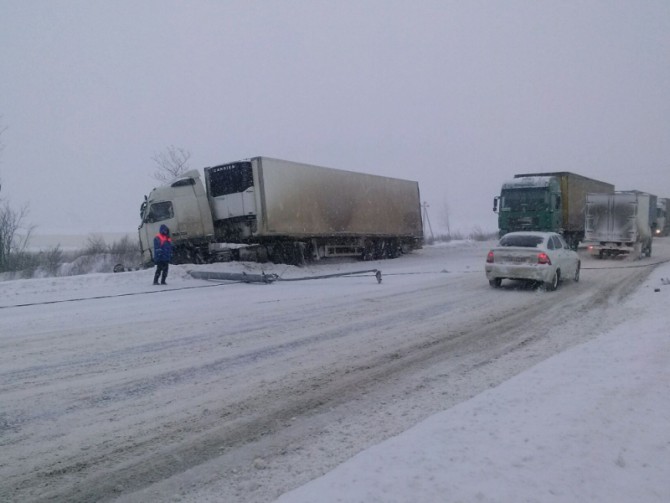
[{"x": 458, "y": 95}]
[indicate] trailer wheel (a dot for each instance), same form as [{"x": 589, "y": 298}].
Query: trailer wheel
[
  {"x": 576, "y": 276},
  {"x": 369, "y": 250},
  {"x": 197, "y": 257},
  {"x": 289, "y": 252}
]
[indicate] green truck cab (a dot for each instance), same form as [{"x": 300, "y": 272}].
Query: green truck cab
[{"x": 550, "y": 202}]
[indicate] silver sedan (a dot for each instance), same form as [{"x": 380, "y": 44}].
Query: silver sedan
[{"x": 542, "y": 257}]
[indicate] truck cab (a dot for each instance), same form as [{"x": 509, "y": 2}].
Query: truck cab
[
  {"x": 182, "y": 205},
  {"x": 529, "y": 203}
]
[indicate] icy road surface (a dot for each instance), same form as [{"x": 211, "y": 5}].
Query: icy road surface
[{"x": 112, "y": 389}]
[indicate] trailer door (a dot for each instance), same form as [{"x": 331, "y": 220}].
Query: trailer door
[{"x": 611, "y": 217}]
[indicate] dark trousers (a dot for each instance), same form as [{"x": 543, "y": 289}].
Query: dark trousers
[{"x": 162, "y": 271}]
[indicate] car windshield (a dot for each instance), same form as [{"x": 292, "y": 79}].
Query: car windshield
[{"x": 524, "y": 240}]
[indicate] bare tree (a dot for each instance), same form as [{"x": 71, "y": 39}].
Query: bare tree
[
  {"x": 2, "y": 145},
  {"x": 14, "y": 233},
  {"x": 2, "y": 130},
  {"x": 51, "y": 260},
  {"x": 95, "y": 244},
  {"x": 2, "y": 214},
  {"x": 12, "y": 241},
  {"x": 171, "y": 163}
]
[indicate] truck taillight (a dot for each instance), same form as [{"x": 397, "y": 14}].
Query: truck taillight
[
  {"x": 543, "y": 258},
  {"x": 489, "y": 257}
]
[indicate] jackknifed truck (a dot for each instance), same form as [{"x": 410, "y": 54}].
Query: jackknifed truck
[
  {"x": 622, "y": 223},
  {"x": 550, "y": 202},
  {"x": 264, "y": 209}
]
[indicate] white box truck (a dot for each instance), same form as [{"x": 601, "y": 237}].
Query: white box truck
[{"x": 620, "y": 223}]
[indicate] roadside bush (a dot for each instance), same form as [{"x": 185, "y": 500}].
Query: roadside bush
[
  {"x": 43, "y": 264},
  {"x": 96, "y": 256},
  {"x": 126, "y": 251},
  {"x": 478, "y": 234},
  {"x": 51, "y": 260},
  {"x": 22, "y": 263},
  {"x": 445, "y": 238},
  {"x": 95, "y": 244}
]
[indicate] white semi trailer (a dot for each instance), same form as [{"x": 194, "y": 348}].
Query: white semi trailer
[
  {"x": 288, "y": 212},
  {"x": 620, "y": 223}
]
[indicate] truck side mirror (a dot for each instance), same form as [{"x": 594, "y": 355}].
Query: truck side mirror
[
  {"x": 495, "y": 204},
  {"x": 558, "y": 202}
]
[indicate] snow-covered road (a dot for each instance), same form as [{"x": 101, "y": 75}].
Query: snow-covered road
[{"x": 111, "y": 388}]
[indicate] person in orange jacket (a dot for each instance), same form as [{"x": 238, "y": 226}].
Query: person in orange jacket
[{"x": 162, "y": 254}]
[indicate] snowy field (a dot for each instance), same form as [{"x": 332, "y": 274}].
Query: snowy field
[{"x": 428, "y": 386}]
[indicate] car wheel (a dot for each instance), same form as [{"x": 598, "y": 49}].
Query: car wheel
[
  {"x": 495, "y": 282},
  {"x": 552, "y": 284},
  {"x": 579, "y": 266}
]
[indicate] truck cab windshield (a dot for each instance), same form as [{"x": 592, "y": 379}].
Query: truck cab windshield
[
  {"x": 160, "y": 211},
  {"x": 524, "y": 200}
]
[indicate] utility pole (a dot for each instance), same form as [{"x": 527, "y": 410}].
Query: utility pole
[{"x": 426, "y": 220}]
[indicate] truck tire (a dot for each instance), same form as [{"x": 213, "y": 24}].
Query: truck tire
[
  {"x": 197, "y": 257},
  {"x": 552, "y": 284},
  {"x": 576, "y": 276}
]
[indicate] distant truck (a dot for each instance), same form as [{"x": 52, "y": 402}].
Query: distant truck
[
  {"x": 551, "y": 202},
  {"x": 662, "y": 217},
  {"x": 620, "y": 224},
  {"x": 269, "y": 209}
]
